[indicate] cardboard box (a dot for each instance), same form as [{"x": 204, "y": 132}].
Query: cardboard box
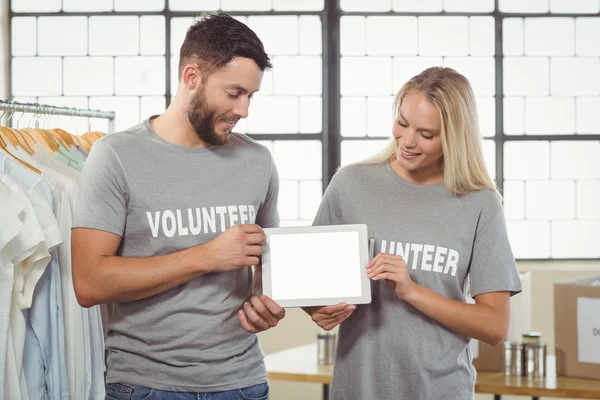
[
  {"x": 486, "y": 357},
  {"x": 490, "y": 358},
  {"x": 577, "y": 327}
]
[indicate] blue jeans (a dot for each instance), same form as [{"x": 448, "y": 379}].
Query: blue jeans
[{"x": 123, "y": 391}]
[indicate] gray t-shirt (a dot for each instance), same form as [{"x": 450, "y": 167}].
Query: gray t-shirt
[
  {"x": 387, "y": 349},
  {"x": 162, "y": 198}
]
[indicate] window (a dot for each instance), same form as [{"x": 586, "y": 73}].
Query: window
[
  {"x": 552, "y": 91},
  {"x": 399, "y": 47},
  {"x": 112, "y": 62},
  {"x": 106, "y": 56},
  {"x": 534, "y": 66},
  {"x": 550, "y": 87}
]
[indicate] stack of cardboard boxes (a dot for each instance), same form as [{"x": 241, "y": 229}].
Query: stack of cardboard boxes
[{"x": 577, "y": 327}]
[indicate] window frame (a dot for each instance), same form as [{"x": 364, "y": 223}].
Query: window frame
[{"x": 330, "y": 135}]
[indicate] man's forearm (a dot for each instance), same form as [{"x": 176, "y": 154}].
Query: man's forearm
[{"x": 114, "y": 279}]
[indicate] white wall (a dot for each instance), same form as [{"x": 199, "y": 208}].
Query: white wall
[
  {"x": 297, "y": 328},
  {"x": 4, "y": 38}
]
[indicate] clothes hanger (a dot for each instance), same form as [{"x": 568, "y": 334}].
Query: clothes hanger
[
  {"x": 7, "y": 135},
  {"x": 93, "y": 136},
  {"x": 31, "y": 142},
  {"x": 83, "y": 141},
  {"x": 25, "y": 135},
  {"x": 40, "y": 127},
  {"x": 65, "y": 137},
  {"x": 14, "y": 139},
  {"x": 39, "y": 138},
  {"x": 89, "y": 136},
  {"x": 87, "y": 146},
  {"x": 76, "y": 140},
  {"x": 58, "y": 135},
  {"x": 17, "y": 159},
  {"x": 51, "y": 140},
  {"x": 24, "y": 144},
  {"x": 4, "y": 137}
]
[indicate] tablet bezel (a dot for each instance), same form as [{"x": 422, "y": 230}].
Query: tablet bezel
[{"x": 363, "y": 241}]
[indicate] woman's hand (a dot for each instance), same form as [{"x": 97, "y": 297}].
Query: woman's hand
[
  {"x": 329, "y": 317},
  {"x": 393, "y": 269}
]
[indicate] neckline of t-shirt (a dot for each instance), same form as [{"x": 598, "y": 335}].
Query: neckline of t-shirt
[
  {"x": 163, "y": 142},
  {"x": 422, "y": 186}
]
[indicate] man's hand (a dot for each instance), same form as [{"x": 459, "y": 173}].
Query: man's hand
[
  {"x": 240, "y": 246},
  {"x": 259, "y": 314},
  {"x": 330, "y": 316}
]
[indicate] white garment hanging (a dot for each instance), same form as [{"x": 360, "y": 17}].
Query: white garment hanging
[
  {"x": 44, "y": 221},
  {"x": 32, "y": 246},
  {"x": 12, "y": 227}
]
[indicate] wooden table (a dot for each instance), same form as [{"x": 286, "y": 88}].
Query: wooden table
[{"x": 299, "y": 364}]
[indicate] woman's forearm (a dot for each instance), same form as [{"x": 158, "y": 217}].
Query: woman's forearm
[{"x": 483, "y": 320}]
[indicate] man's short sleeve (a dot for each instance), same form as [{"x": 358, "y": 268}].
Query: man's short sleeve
[
  {"x": 103, "y": 192},
  {"x": 268, "y": 214}
]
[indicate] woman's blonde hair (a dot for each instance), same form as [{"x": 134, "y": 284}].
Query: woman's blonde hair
[{"x": 451, "y": 93}]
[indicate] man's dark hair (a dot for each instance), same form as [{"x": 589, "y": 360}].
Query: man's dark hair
[{"x": 214, "y": 39}]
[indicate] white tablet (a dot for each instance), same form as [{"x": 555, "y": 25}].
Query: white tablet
[{"x": 316, "y": 265}]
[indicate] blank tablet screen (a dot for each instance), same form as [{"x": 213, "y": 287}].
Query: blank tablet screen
[{"x": 315, "y": 265}]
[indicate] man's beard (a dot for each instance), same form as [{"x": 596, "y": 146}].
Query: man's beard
[{"x": 203, "y": 120}]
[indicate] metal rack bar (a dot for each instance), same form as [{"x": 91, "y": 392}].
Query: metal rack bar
[{"x": 45, "y": 109}]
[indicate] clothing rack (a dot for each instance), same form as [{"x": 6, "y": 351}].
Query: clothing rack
[{"x": 45, "y": 109}]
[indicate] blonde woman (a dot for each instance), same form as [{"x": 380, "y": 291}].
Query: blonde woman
[{"x": 437, "y": 222}]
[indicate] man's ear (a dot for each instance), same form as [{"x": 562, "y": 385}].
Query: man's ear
[{"x": 191, "y": 77}]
